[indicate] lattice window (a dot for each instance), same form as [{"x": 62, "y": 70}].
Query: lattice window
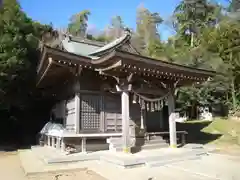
[{"x": 90, "y": 112}]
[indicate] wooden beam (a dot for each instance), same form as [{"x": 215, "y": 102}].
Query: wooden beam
[
  {"x": 59, "y": 64},
  {"x": 150, "y": 62},
  {"x": 109, "y": 75},
  {"x": 77, "y": 112},
  {"x": 77, "y": 88},
  {"x": 78, "y": 71},
  {"x": 113, "y": 66},
  {"x": 125, "y": 121},
  {"x": 171, "y": 120},
  {"x": 130, "y": 77},
  {"x": 41, "y": 60},
  {"x": 50, "y": 61}
]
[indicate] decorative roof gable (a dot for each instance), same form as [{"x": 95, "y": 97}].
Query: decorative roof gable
[{"x": 79, "y": 46}]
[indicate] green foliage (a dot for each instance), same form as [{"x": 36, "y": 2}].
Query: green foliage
[
  {"x": 100, "y": 38},
  {"x": 147, "y": 29},
  {"x": 191, "y": 16},
  {"x": 114, "y": 30},
  {"x": 19, "y": 37},
  {"x": 78, "y": 23},
  {"x": 205, "y": 38}
]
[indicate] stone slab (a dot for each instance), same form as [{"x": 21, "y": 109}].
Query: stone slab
[
  {"x": 33, "y": 165},
  {"x": 212, "y": 166},
  {"x": 125, "y": 162},
  {"x": 51, "y": 155},
  {"x": 106, "y": 170},
  {"x": 151, "y": 158}
]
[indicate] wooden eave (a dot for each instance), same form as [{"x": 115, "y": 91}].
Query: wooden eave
[
  {"x": 120, "y": 63},
  {"x": 145, "y": 66},
  {"x": 53, "y": 58}
]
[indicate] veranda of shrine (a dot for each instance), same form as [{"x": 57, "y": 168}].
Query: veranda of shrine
[{"x": 107, "y": 90}]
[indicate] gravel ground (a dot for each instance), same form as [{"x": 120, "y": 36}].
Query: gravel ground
[{"x": 11, "y": 170}]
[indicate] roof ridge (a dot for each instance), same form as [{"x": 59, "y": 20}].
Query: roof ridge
[
  {"x": 86, "y": 41},
  {"x": 114, "y": 44}
]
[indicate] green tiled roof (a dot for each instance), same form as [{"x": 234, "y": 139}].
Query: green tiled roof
[
  {"x": 89, "y": 50},
  {"x": 111, "y": 45},
  {"x": 79, "y": 48}
]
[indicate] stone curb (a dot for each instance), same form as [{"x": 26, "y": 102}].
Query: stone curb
[
  {"x": 192, "y": 172},
  {"x": 224, "y": 155}
]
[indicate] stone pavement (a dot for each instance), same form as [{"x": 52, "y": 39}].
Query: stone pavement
[
  {"x": 207, "y": 168},
  {"x": 212, "y": 167},
  {"x": 151, "y": 158},
  {"x": 10, "y": 167},
  {"x": 215, "y": 166}
]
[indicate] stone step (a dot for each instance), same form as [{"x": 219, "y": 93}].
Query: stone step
[
  {"x": 171, "y": 161},
  {"x": 123, "y": 161},
  {"x": 154, "y": 146},
  {"x": 142, "y": 144},
  {"x": 118, "y": 148},
  {"x": 116, "y": 140},
  {"x": 155, "y": 141},
  {"x": 139, "y": 141},
  {"x": 156, "y": 162},
  {"x": 156, "y": 137},
  {"x": 113, "y": 139}
]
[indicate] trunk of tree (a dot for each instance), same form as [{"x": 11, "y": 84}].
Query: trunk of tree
[
  {"x": 192, "y": 39},
  {"x": 233, "y": 92}
]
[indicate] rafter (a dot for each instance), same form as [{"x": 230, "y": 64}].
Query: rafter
[{"x": 50, "y": 61}]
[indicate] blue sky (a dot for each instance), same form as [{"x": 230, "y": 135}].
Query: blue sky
[{"x": 59, "y": 11}]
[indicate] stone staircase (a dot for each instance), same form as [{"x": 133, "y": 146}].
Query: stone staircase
[{"x": 138, "y": 144}]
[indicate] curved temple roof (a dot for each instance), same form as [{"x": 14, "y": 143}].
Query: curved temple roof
[
  {"x": 90, "y": 50},
  {"x": 113, "y": 45},
  {"x": 110, "y": 57}
]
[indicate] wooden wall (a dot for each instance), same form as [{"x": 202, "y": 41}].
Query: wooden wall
[
  {"x": 100, "y": 111},
  {"x": 70, "y": 115}
]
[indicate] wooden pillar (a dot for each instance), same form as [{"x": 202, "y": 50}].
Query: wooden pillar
[
  {"x": 58, "y": 143},
  {"x": 142, "y": 118},
  {"x": 84, "y": 149},
  {"x": 171, "y": 120},
  {"x": 63, "y": 145},
  {"x": 125, "y": 120},
  {"x": 183, "y": 138},
  {"x": 77, "y": 106},
  {"x": 48, "y": 141},
  {"x": 52, "y": 141},
  {"x": 161, "y": 119}
]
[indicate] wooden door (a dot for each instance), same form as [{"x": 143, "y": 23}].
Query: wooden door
[{"x": 112, "y": 113}]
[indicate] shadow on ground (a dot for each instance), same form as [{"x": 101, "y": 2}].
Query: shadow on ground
[
  {"x": 195, "y": 133},
  {"x": 10, "y": 144}
]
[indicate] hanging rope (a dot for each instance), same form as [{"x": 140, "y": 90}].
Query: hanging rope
[{"x": 151, "y": 99}]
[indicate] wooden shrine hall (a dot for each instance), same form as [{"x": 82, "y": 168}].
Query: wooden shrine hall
[{"x": 108, "y": 91}]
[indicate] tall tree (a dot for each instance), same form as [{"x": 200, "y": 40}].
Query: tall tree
[
  {"x": 234, "y": 9},
  {"x": 147, "y": 28},
  {"x": 19, "y": 38},
  {"x": 191, "y": 16},
  {"x": 116, "y": 28},
  {"x": 78, "y": 23},
  {"x": 234, "y": 5},
  {"x": 225, "y": 41}
]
